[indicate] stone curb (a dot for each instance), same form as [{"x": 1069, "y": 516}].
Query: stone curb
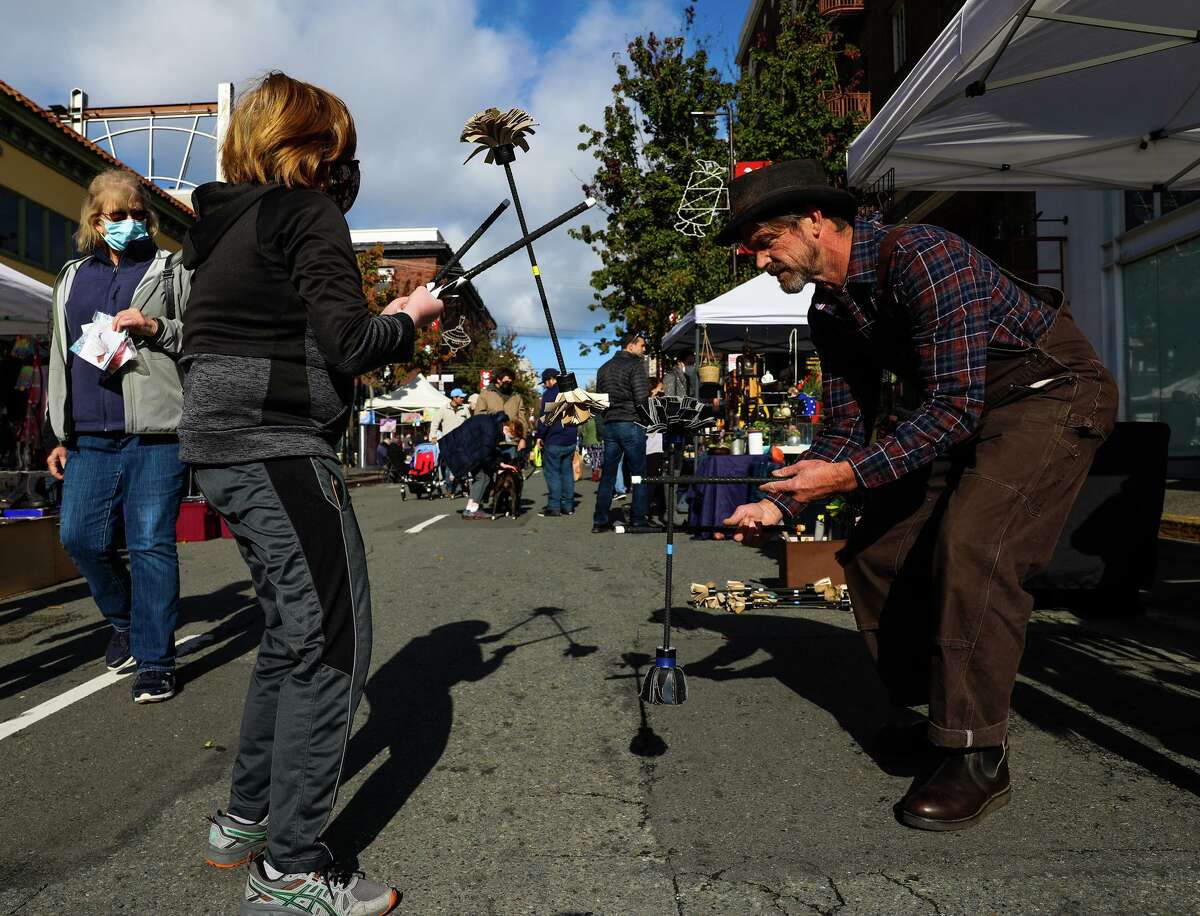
[{"x": 1180, "y": 527}]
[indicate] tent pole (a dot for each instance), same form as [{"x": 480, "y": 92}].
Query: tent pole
[
  {"x": 1119, "y": 25},
  {"x": 980, "y": 85},
  {"x": 1083, "y": 65}
]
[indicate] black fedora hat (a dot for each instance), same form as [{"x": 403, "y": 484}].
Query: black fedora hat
[{"x": 785, "y": 187}]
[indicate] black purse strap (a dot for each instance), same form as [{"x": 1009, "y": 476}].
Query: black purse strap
[{"x": 168, "y": 279}]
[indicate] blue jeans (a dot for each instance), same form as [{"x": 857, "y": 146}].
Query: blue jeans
[
  {"x": 557, "y": 465},
  {"x": 622, "y": 440},
  {"x": 135, "y": 482}
]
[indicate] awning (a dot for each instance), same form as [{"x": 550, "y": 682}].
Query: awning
[
  {"x": 24, "y": 305},
  {"x": 417, "y": 396},
  {"x": 757, "y": 311},
  {"x": 1027, "y": 94}
]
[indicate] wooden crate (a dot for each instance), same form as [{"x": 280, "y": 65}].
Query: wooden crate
[
  {"x": 802, "y": 562},
  {"x": 32, "y": 556}
]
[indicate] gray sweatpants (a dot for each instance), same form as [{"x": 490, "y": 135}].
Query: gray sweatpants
[{"x": 297, "y": 532}]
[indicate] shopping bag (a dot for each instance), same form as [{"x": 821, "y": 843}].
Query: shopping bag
[{"x": 577, "y": 465}]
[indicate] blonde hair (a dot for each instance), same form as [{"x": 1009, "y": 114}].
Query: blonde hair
[
  {"x": 287, "y": 132},
  {"x": 111, "y": 180}
]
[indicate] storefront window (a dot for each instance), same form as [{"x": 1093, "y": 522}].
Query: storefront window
[
  {"x": 10, "y": 227},
  {"x": 1162, "y": 330},
  {"x": 35, "y": 233}
]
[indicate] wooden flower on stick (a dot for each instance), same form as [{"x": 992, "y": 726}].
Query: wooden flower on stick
[
  {"x": 493, "y": 130},
  {"x": 500, "y": 133}
]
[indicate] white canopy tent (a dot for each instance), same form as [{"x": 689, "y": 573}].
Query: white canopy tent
[
  {"x": 1034, "y": 94},
  {"x": 757, "y": 311},
  {"x": 418, "y": 395},
  {"x": 24, "y": 305}
]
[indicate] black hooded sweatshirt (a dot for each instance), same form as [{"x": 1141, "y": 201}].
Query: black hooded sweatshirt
[{"x": 277, "y": 326}]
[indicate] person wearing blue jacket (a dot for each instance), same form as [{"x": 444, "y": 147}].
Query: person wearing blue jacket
[{"x": 559, "y": 444}]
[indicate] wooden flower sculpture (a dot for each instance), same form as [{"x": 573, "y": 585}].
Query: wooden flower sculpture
[{"x": 492, "y": 129}]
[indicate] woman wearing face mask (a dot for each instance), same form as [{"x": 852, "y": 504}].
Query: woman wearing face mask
[
  {"x": 278, "y": 327},
  {"x": 118, "y": 455}
]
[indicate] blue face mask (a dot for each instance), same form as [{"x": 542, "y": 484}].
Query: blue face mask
[{"x": 118, "y": 236}]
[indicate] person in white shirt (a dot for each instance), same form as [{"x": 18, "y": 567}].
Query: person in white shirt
[
  {"x": 451, "y": 416},
  {"x": 448, "y": 419}
]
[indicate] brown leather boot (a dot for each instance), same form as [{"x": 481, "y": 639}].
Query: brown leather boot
[{"x": 963, "y": 790}]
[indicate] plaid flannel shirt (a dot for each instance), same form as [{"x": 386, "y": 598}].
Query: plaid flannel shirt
[{"x": 957, "y": 303}]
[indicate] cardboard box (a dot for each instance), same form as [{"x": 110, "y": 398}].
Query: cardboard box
[
  {"x": 803, "y": 562},
  {"x": 32, "y": 556}
]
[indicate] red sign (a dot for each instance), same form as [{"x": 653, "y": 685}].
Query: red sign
[
  {"x": 485, "y": 378},
  {"x": 745, "y": 168},
  {"x": 742, "y": 169}
]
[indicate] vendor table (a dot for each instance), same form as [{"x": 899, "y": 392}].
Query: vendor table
[{"x": 711, "y": 504}]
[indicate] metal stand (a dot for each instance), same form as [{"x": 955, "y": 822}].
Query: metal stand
[{"x": 665, "y": 683}]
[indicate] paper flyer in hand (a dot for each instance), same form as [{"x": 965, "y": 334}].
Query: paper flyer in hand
[{"x": 104, "y": 348}]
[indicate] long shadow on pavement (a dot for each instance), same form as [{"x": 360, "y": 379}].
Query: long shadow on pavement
[
  {"x": 67, "y": 650},
  {"x": 1140, "y": 677},
  {"x": 412, "y": 713},
  {"x": 825, "y": 664}
]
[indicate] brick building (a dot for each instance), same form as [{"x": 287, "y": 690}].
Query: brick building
[{"x": 412, "y": 257}]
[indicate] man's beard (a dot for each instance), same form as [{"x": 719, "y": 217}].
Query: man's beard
[{"x": 794, "y": 277}]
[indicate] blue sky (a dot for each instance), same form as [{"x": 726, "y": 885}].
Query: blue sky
[{"x": 411, "y": 72}]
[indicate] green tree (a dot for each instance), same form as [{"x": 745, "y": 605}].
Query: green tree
[
  {"x": 647, "y": 148},
  {"x": 784, "y": 96}
]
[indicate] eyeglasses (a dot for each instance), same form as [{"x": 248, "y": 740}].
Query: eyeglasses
[{"x": 119, "y": 216}]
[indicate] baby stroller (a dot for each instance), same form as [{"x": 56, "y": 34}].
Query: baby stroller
[{"x": 425, "y": 476}]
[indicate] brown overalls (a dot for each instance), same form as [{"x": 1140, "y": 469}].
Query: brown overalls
[{"x": 936, "y": 564}]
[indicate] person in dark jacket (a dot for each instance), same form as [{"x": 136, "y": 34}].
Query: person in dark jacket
[
  {"x": 559, "y": 444},
  {"x": 623, "y": 378},
  {"x": 278, "y": 327}
]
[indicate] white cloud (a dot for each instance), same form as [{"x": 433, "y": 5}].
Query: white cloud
[{"x": 411, "y": 72}]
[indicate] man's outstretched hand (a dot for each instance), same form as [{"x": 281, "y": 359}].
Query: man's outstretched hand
[
  {"x": 804, "y": 482},
  {"x": 748, "y": 518}
]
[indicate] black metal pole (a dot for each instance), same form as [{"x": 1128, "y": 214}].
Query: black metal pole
[
  {"x": 537, "y": 273},
  {"x": 689, "y": 481},
  {"x": 466, "y": 246},
  {"x": 522, "y": 242},
  {"x": 670, "y": 539}
]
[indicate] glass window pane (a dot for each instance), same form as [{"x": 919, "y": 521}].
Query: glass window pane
[
  {"x": 1179, "y": 345},
  {"x": 1141, "y": 339},
  {"x": 35, "y": 232},
  {"x": 1162, "y": 327},
  {"x": 9, "y": 227},
  {"x": 60, "y": 246}
]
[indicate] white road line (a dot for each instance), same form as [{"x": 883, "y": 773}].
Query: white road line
[
  {"x": 74, "y": 695},
  {"x": 416, "y": 529}
]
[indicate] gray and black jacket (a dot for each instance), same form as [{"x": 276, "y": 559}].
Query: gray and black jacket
[
  {"x": 278, "y": 326},
  {"x": 151, "y": 387},
  {"x": 623, "y": 378}
]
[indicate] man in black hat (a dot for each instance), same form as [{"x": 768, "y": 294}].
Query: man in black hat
[
  {"x": 965, "y": 493},
  {"x": 623, "y": 378}
]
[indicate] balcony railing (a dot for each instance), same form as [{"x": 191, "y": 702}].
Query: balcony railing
[
  {"x": 840, "y": 7},
  {"x": 843, "y": 103}
]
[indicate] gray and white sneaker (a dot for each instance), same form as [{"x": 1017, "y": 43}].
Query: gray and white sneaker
[
  {"x": 330, "y": 892},
  {"x": 232, "y": 843}
]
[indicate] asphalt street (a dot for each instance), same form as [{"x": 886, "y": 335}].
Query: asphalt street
[{"x": 502, "y": 764}]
